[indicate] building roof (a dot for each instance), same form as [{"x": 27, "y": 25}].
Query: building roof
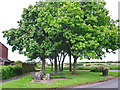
[
  {"x": 3, "y": 45},
  {"x": 4, "y": 60}
]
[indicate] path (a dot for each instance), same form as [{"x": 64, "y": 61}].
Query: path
[{"x": 14, "y": 78}]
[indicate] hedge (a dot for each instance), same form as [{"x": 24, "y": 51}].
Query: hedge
[
  {"x": 10, "y": 71},
  {"x": 96, "y": 70}
]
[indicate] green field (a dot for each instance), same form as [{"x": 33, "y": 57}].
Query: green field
[
  {"x": 86, "y": 66},
  {"x": 80, "y": 78}
]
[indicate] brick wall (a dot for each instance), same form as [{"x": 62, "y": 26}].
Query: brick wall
[
  {"x": 3, "y": 51},
  {"x": 0, "y": 50}
]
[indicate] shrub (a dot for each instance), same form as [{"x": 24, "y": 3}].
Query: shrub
[
  {"x": 48, "y": 64},
  {"x": 10, "y": 71},
  {"x": 17, "y": 70},
  {"x": 80, "y": 64},
  {"x": 115, "y": 67},
  {"x": 18, "y": 62},
  {"x": 66, "y": 68},
  {"x": 85, "y": 68},
  {"x": 88, "y": 64},
  {"x": 96, "y": 70}
]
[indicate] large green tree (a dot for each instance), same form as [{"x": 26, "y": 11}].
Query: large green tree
[
  {"x": 88, "y": 29},
  {"x": 80, "y": 29},
  {"x": 33, "y": 38},
  {"x": 45, "y": 21},
  {"x": 30, "y": 39}
]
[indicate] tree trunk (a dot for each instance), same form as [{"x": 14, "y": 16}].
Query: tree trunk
[
  {"x": 51, "y": 60},
  {"x": 43, "y": 64},
  {"x": 70, "y": 67},
  {"x": 74, "y": 65},
  {"x": 59, "y": 65},
  {"x": 59, "y": 61},
  {"x": 63, "y": 62},
  {"x": 62, "y": 66},
  {"x": 55, "y": 62},
  {"x": 51, "y": 66}
]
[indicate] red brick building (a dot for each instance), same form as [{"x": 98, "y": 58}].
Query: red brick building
[
  {"x": 4, "y": 54},
  {"x": 3, "y": 51}
]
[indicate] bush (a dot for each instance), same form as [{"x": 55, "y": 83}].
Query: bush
[
  {"x": 18, "y": 62},
  {"x": 85, "y": 68},
  {"x": 88, "y": 65},
  {"x": 10, "y": 71},
  {"x": 80, "y": 64},
  {"x": 115, "y": 67},
  {"x": 66, "y": 68},
  {"x": 96, "y": 70},
  {"x": 48, "y": 64}
]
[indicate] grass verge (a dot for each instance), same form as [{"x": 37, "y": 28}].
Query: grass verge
[{"x": 81, "y": 78}]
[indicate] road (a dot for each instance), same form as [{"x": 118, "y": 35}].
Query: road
[
  {"x": 108, "y": 84},
  {"x": 115, "y": 70}
]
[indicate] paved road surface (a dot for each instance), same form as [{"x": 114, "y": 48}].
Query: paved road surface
[
  {"x": 108, "y": 84},
  {"x": 115, "y": 70}
]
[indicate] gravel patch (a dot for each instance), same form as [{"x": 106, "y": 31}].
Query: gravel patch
[{"x": 51, "y": 81}]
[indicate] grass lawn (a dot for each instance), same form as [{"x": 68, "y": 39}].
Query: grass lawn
[
  {"x": 80, "y": 78},
  {"x": 115, "y": 67}
]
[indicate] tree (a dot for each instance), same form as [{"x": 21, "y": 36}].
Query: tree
[
  {"x": 51, "y": 60},
  {"x": 51, "y": 57},
  {"x": 30, "y": 39},
  {"x": 33, "y": 38},
  {"x": 45, "y": 18},
  {"x": 70, "y": 65},
  {"x": 79, "y": 29},
  {"x": 88, "y": 29},
  {"x": 64, "y": 55},
  {"x": 59, "y": 60}
]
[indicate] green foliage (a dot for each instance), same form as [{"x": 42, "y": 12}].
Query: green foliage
[
  {"x": 89, "y": 30},
  {"x": 96, "y": 70},
  {"x": 48, "y": 64},
  {"x": 86, "y": 27},
  {"x": 29, "y": 39},
  {"x": 18, "y": 62},
  {"x": 11, "y": 71},
  {"x": 85, "y": 68},
  {"x": 115, "y": 67},
  {"x": 83, "y": 29},
  {"x": 80, "y": 64}
]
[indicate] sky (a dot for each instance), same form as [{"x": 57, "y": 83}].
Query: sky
[{"x": 11, "y": 11}]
